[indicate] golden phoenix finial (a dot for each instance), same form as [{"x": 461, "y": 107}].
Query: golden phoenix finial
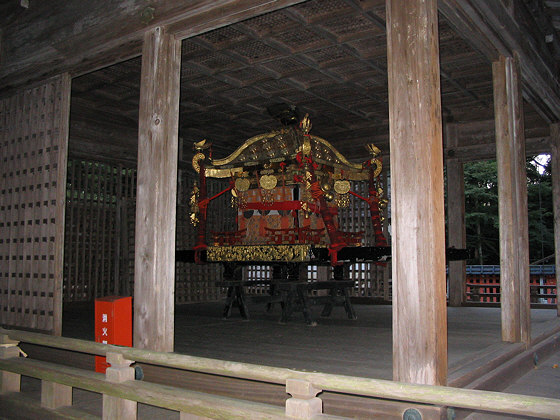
[
  {"x": 373, "y": 149},
  {"x": 305, "y": 124}
]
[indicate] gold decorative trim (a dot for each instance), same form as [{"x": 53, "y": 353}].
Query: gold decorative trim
[
  {"x": 342, "y": 159},
  {"x": 247, "y": 144},
  {"x": 378, "y": 167},
  {"x": 229, "y": 159},
  {"x": 269, "y": 253},
  {"x": 196, "y": 159},
  {"x": 222, "y": 173}
]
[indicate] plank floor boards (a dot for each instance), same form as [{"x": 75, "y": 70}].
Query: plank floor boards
[{"x": 336, "y": 345}]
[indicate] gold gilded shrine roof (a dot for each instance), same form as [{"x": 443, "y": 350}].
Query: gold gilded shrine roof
[{"x": 279, "y": 146}]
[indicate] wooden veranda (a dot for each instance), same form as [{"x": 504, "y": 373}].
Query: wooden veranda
[{"x": 99, "y": 102}]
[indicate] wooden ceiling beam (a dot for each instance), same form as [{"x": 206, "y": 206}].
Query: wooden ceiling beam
[
  {"x": 303, "y": 59},
  {"x": 375, "y": 66},
  {"x": 85, "y": 36},
  {"x": 367, "y": 8},
  {"x": 477, "y": 141},
  {"x": 491, "y": 29}
]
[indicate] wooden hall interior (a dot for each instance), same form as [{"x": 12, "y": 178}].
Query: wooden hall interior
[{"x": 100, "y": 103}]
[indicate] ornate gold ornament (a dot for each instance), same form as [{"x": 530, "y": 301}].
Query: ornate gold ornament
[
  {"x": 378, "y": 167},
  {"x": 326, "y": 184},
  {"x": 306, "y": 125},
  {"x": 201, "y": 145},
  {"x": 242, "y": 184},
  {"x": 305, "y": 208},
  {"x": 267, "y": 196},
  {"x": 238, "y": 199},
  {"x": 342, "y": 186},
  {"x": 268, "y": 182},
  {"x": 196, "y": 159},
  {"x": 373, "y": 149},
  {"x": 342, "y": 200},
  {"x": 193, "y": 202},
  {"x": 271, "y": 253}
]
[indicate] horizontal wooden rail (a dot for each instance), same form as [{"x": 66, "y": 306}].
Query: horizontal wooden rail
[
  {"x": 177, "y": 399},
  {"x": 436, "y": 395}
]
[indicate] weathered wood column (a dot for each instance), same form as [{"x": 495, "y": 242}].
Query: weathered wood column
[
  {"x": 512, "y": 201},
  {"x": 455, "y": 220},
  {"x": 456, "y": 230},
  {"x": 154, "y": 265},
  {"x": 418, "y": 224},
  {"x": 555, "y": 157}
]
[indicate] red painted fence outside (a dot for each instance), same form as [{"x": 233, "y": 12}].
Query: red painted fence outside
[{"x": 483, "y": 284}]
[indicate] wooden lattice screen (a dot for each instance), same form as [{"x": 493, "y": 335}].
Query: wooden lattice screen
[
  {"x": 371, "y": 279},
  {"x": 99, "y": 250},
  {"x": 33, "y": 153},
  {"x": 100, "y": 199}
]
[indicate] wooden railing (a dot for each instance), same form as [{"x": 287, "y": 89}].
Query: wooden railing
[{"x": 121, "y": 392}]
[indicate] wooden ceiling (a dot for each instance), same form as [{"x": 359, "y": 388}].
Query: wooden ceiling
[{"x": 327, "y": 57}]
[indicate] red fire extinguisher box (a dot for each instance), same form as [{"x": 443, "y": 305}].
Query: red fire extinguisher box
[{"x": 113, "y": 324}]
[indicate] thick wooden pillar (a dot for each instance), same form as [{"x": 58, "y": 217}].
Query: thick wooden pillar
[
  {"x": 418, "y": 225},
  {"x": 154, "y": 265},
  {"x": 555, "y": 157},
  {"x": 512, "y": 201},
  {"x": 456, "y": 229},
  {"x": 457, "y": 238}
]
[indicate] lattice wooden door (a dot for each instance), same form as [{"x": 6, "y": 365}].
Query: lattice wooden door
[{"x": 33, "y": 154}]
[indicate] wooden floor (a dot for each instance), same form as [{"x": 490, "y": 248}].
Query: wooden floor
[
  {"x": 362, "y": 347},
  {"x": 336, "y": 345},
  {"x": 542, "y": 381}
]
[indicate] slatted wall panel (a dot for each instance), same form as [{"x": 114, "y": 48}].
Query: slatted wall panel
[
  {"x": 257, "y": 273},
  {"x": 99, "y": 198},
  {"x": 129, "y": 234},
  {"x": 370, "y": 279},
  {"x": 193, "y": 282},
  {"x": 355, "y": 217},
  {"x": 33, "y": 152}
]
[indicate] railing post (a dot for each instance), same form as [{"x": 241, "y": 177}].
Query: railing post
[
  {"x": 55, "y": 395},
  {"x": 9, "y": 382},
  {"x": 119, "y": 371},
  {"x": 304, "y": 404}
]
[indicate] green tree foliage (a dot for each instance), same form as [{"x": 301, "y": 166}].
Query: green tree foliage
[
  {"x": 541, "y": 217},
  {"x": 481, "y": 211}
]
